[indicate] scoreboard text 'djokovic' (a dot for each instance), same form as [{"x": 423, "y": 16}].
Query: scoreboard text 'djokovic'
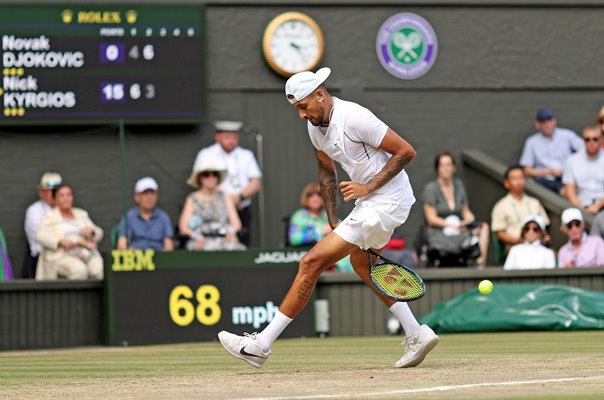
[{"x": 90, "y": 64}]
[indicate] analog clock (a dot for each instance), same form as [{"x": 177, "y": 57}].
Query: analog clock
[{"x": 292, "y": 42}]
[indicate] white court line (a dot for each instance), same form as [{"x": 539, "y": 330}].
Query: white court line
[{"x": 424, "y": 390}]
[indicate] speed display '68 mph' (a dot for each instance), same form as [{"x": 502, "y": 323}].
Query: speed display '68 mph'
[{"x": 99, "y": 63}]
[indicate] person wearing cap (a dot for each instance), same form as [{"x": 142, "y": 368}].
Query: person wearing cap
[
  {"x": 244, "y": 177},
  {"x": 33, "y": 218},
  {"x": 545, "y": 152},
  {"x": 531, "y": 254},
  {"x": 584, "y": 173},
  {"x": 510, "y": 212},
  {"x": 581, "y": 250},
  {"x": 69, "y": 241},
  {"x": 374, "y": 157},
  {"x": 147, "y": 226},
  {"x": 209, "y": 217}
]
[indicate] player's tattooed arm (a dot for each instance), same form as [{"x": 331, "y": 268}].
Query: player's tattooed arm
[
  {"x": 328, "y": 181},
  {"x": 402, "y": 154}
]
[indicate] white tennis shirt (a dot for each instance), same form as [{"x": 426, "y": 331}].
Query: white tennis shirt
[{"x": 352, "y": 139}]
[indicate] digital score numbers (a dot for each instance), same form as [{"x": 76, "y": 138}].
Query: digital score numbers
[{"x": 91, "y": 64}]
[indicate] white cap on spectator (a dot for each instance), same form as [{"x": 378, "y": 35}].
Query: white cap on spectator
[
  {"x": 536, "y": 219},
  {"x": 571, "y": 214},
  {"x": 304, "y": 83},
  {"x": 146, "y": 183},
  {"x": 228, "y": 126},
  {"x": 50, "y": 180}
]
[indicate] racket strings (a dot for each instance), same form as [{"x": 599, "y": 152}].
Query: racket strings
[{"x": 397, "y": 281}]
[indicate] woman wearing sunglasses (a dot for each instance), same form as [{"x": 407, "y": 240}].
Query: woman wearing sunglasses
[
  {"x": 581, "y": 250},
  {"x": 531, "y": 254},
  {"x": 209, "y": 217}
]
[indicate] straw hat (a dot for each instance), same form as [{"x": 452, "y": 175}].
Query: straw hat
[{"x": 207, "y": 165}]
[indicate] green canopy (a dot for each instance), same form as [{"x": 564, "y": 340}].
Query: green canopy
[{"x": 520, "y": 307}]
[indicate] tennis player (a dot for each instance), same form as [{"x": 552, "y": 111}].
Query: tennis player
[{"x": 374, "y": 157}]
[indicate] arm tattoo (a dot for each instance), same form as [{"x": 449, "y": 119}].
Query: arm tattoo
[
  {"x": 392, "y": 168},
  {"x": 306, "y": 290},
  {"x": 328, "y": 181}
]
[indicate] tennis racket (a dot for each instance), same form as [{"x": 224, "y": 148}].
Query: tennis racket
[{"x": 396, "y": 281}]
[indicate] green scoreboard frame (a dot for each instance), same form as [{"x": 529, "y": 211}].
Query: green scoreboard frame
[
  {"x": 99, "y": 63},
  {"x": 181, "y": 296}
]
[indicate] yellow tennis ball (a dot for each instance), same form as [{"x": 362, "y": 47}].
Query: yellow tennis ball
[{"x": 485, "y": 287}]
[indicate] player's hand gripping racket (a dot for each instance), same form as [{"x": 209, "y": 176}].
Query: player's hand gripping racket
[{"x": 396, "y": 281}]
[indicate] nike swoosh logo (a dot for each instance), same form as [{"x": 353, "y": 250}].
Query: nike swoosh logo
[{"x": 245, "y": 353}]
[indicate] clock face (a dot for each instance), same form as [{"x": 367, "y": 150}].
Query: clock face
[{"x": 292, "y": 42}]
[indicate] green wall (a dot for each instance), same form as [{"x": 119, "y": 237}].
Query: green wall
[{"x": 497, "y": 63}]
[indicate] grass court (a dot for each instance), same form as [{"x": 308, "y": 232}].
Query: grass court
[{"x": 529, "y": 365}]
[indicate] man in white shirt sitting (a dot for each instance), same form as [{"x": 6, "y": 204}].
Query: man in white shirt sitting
[
  {"x": 33, "y": 217},
  {"x": 244, "y": 176}
]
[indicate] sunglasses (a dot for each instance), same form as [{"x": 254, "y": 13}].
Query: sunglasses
[
  {"x": 311, "y": 194},
  {"x": 591, "y": 139},
  {"x": 572, "y": 224},
  {"x": 535, "y": 229},
  {"x": 205, "y": 174}
]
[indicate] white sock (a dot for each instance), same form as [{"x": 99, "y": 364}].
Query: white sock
[
  {"x": 267, "y": 337},
  {"x": 403, "y": 313}
]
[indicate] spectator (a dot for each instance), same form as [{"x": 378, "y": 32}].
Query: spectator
[
  {"x": 546, "y": 151},
  {"x": 309, "y": 224},
  {"x": 209, "y": 217},
  {"x": 33, "y": 217},
  {"x": 581, "y": 250},
  {"x": 510, "y": 213},
  {"x": 6, "y": 268},
  {"x": 148, "y": 226},
  {"x": 69, "y": 241},
  {"x": 584, "y": 173},
  {"x": 597, "y": 226},
  {"x": 531, "y": 254},
  {"x": 600, "y": 122},
  {"x": 244, "y": 176},
  {"x": 451, "y": 224}
]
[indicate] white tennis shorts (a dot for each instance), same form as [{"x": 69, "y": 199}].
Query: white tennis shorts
[{"x": 371, "y": 225}]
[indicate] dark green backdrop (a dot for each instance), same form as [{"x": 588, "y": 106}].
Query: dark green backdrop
[{"x": 497, "y": 62}]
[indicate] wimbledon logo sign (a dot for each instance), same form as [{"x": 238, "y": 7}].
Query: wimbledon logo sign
[{"x": 406, "y": 46}]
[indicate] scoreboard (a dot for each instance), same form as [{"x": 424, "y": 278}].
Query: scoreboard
[{"x": 82, "y": 63}]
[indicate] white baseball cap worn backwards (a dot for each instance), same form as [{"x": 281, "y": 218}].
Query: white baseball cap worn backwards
[{"x": 302, "y": 84}]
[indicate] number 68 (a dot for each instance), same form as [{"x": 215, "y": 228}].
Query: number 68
[{"x": 183, "y": 312}]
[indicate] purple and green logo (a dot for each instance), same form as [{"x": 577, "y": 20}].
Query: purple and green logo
[{"x": 406, "y": 46}]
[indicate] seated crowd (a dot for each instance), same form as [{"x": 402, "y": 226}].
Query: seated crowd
[
  {"x": 62, "y": 239},
  {"x": 555, "y": 158}
]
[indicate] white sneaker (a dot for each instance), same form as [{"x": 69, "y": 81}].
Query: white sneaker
[
  {"x": 244, "y": 347},
  {"x": 417, "y": 347}
]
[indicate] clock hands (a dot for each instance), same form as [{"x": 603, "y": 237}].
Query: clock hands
[{"x": 299, "y": 50}]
